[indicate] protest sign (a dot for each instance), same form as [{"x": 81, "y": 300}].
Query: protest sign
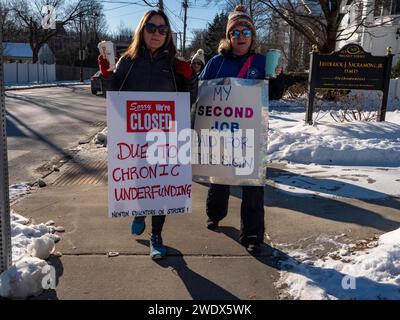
[
  {"x": 145, "y": 176},
  {"x": 231, "y": 123}
]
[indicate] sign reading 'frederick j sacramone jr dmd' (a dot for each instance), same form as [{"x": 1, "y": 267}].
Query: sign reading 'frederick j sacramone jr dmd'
[
  {"x": 349, "y": 68},
  {"x": 145, "y": 176}
]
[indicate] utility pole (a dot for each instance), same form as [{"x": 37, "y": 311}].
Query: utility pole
[
  {"x": 80, "y": 47},
  {"x": 95, "y": 15},
  {"x": 185, "y": 7},
  {"x": 5, "y": 225}
]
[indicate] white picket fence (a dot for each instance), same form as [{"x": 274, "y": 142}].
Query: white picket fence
[{"x": 27, "y": 73}]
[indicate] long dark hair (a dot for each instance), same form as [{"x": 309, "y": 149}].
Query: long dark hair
[{"x": 138, "y": 40}]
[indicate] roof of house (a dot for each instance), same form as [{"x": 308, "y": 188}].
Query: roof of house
[
  {"x": 20, "y": 50},
  {"x": 13, "y": 49}
]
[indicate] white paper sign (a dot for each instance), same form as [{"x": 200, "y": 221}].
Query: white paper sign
[
  {"x": 239, "y": 108},
  {"x": 137, "y": 184}
]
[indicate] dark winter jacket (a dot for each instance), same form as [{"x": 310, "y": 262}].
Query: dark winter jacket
[
  {"x": 222, "y": 67},
  {"x": 147, "y": 73}
]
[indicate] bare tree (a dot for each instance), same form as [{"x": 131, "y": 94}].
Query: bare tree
[
  {"x": 123, "y": 33},
  {"x": 28, "y": 14},
  {"x": 321, "y": 21}
]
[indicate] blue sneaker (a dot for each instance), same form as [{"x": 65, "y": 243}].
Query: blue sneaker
[
  {"x": 138, "y": 225},
  {"x": 157, "y": 249}
]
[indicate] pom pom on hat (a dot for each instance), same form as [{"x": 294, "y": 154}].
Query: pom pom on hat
[{"x": 199, "y": 56}]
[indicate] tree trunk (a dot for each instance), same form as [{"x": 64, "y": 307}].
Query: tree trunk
[
  {"x": 330, "y": 44},
  {"x": 35, "y": 54}
]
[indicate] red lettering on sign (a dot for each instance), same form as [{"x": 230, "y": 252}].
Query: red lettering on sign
[{"x": 143, "y": 116}]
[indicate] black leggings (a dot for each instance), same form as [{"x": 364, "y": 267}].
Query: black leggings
[
  {"x": 251, "y": 212},
  {"x": 157, "y": 223}
]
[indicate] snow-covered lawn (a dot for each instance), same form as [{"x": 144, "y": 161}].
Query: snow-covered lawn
[{"x": 352, "y": 160}]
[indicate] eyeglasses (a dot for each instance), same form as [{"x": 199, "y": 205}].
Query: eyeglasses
[
  {"x": 245, "y": 32},
  {"x": 151, "y": 28},
  {"x": 197, "y": 62}
]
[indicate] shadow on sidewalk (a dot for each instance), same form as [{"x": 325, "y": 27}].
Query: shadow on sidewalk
[
  {"x": 331, "y": 186},
  {"x": 325, "y": 208},
  {"x": 271, "y": 257},
  {"x": 199, "y": 287},
  {"x": 328, "y": 279}
]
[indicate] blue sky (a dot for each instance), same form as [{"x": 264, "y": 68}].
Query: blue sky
[{"x": 130, "y": 14}]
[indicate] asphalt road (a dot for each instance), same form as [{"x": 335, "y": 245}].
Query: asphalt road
[{"x": 44, "y": 125}]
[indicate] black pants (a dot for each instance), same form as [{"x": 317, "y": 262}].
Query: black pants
[
  {"x": 251, "y": 211},
  {"x": 157, "y": 223}
]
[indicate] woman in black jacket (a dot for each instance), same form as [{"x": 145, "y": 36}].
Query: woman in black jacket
[{"x": 150, "y": 64}]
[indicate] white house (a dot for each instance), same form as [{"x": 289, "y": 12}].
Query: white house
[
  {"x": 379, "y": 29},
  {"x": 18, "y": 66}
]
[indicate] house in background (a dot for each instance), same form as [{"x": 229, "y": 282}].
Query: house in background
[
  {"x": 18, "y": 66},
  {"x": 22, "y": 53},
  {"x": 380, "y": 26}
]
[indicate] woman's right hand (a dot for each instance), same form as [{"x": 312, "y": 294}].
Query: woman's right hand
[{"x": 104, "y": 65}]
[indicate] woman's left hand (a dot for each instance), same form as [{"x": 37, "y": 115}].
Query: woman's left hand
[{"x": 184, "y": 68}]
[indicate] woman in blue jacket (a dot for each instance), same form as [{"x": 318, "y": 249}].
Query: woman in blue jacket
[{"x": 236, "y": 51}]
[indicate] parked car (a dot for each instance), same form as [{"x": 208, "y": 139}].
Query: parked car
[{"x": 95, "y": 83}]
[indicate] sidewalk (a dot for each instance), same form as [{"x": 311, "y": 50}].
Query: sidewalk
[{"x": 201, "y": 264}]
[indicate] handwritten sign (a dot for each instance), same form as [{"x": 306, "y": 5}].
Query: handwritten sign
[
  {"x": 231, "y": 123},
  {"x": 138, "y": 184}
]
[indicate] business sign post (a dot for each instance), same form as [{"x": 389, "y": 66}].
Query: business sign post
[{"x": 349, "y": 68}]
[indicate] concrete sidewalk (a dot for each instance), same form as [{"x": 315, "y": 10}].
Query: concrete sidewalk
[{"x": 201, "y": 264}]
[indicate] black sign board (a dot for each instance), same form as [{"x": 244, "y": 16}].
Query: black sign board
[{"x": 349, "y": 68}]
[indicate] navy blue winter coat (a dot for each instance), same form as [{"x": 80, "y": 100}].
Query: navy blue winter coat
[{"x": 223, "y": 67}]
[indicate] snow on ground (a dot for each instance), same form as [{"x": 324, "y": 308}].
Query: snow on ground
[
  {"x": 32, "y": 244},
  {"x": 338, "y": 181},
  {"x": 18, "y": 190},
  {"x": 368, "y": 270},
  {"x": 330, "y": 143},
  {"x": 349, "y": 159},
  {"x": 47, "y": 84}
]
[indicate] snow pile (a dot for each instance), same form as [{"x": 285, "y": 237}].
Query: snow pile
[
  {"x": 16, "y": 191},
  {"x": 101, "y": 137},
  {"x": 368, "y": 270},
  {"x": 355, "y": 143},
  {"x": 31, "y": 244}
]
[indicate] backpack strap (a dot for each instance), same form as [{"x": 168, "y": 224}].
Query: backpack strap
[{"x": 246, "y": 66}]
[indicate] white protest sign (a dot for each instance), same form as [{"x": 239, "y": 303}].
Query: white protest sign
[
  {"x": 231, "y": 122},
  {"x": 144, "y": 174}
]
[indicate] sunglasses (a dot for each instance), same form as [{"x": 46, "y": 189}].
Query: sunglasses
[
  {"x": 197, "y": 62},
  {"x": 236, "y": 33},
  {"x": 152, "y": 28}
]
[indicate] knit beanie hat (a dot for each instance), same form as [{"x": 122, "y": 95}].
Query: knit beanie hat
[
  {"x": 239, "y": 17},
  {"x": 199, "y": 56}
]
